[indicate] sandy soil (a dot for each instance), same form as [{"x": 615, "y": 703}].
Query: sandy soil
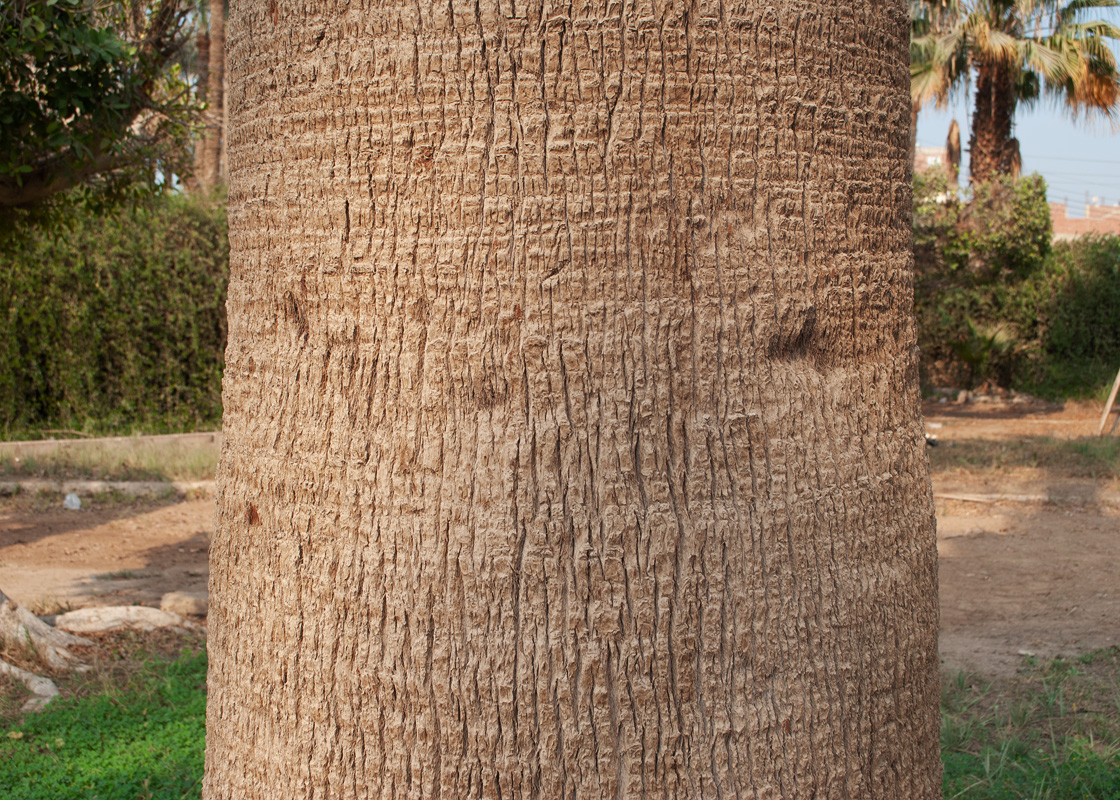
[
  {"x": 53, "y": 559},
  {"x": 1030, "y": 561}
]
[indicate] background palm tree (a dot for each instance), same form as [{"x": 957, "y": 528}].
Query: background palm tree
[{"x": 1018, "y": 50}]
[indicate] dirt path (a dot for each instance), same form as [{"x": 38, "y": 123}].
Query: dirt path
[
  {"x": 1029, "y": 561},
  {"x": 103, "y": 554}
]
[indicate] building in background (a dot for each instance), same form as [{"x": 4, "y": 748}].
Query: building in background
[
  {"x": 931, "y": 158},
  {"x": 1098, "y": 220}
]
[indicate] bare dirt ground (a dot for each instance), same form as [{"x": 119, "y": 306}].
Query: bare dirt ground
[
  {"x": 107, "y": 553},
  {"x": 1030, "y": 561},
  {"x": 1030, "y": 557}
]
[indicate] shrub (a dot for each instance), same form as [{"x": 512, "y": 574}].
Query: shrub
[
  {"x": 996, "y": 303},
  {"x": 113, "y": 322},
  {"x": 1075, "y": 306}
]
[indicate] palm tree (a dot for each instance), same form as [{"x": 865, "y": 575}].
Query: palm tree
[
  {"x": 573, "y": 440},
  {"x": 1018, "y": 50}
]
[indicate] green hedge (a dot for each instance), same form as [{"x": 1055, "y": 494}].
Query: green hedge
[
  {"x": 114, "y": 322},
  {"x": 997, "y": 304}
]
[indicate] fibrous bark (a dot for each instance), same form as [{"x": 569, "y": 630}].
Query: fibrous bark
[
  {"x": 953, "y": 153},
  {"x": 992, "y": 150},
  {"x": 212, "y": 142},
  {"x": 572, "y": 442}
]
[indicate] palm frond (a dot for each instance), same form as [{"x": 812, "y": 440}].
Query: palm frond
[
  {"x": 1002, "y": 46},
  {"x": 1052, "y": 63},
  {"x": 1068, "y": 13}
]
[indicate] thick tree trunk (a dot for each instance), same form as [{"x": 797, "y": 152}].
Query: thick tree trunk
[
  {"x": 572, "y": 433},
  {"x": 212, "y": 142},
  {"x": 991, "y": 151}
]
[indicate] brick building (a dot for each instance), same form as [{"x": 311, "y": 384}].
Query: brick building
[{"x": 1099, "y": 220}]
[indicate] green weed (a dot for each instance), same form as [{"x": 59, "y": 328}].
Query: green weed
[
  {"x": 141, "y": 739},
  {"x": 1057, "y": 735}
]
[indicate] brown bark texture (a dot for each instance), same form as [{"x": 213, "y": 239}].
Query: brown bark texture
[
  {"x": 992, "y": 150},
  {"x": 573, "y": 446},
  {"x": 212, "y": 141},
  {"x": 201, "y": 170}
]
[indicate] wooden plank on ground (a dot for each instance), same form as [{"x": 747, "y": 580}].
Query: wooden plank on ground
[{"x": 1108, "y": 404}]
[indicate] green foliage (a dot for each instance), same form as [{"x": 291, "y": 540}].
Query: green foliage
[
  {"x": 145, "y": 740},
  {"x": 995, "y": 302},
  {"x": 1001, "y": 234},
  {"x": 115, "y": 322},
  {"x": 1006, "y": 229},
  {"x": 1050, "y": 732},
  {"x": 983, "y": 347},
  {"x": 1083, "y": 290},
  {"x": 89, "y": 95}
]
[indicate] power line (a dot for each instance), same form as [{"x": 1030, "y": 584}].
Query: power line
[
  {"x": 1063, "y": 173},
  {"x": 1067, "y": 158},
  {"x": 1073, "y": 182}
]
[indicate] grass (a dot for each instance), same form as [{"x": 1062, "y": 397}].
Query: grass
[
  {"x": 141, "y": 460},
  {"x": 1095, "y": 458},
  {"x": 133, "y": 727},
  {"x": 118, "y": 575},
  {"x": 1052, "y": 731}
]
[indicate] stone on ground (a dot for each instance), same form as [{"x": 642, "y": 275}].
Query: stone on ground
[
  {"x": 185, "y": 604},
  {"x": 111, "y": 618}
]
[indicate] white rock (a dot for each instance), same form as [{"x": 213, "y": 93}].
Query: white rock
[
  {"x": 111, "y": 618},
  {"x": 187, "y": 604}
]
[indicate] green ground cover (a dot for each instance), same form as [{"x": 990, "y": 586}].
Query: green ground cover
[
  {"x": 1050, "y": 732},
  {"x": 143, "y": 739}
]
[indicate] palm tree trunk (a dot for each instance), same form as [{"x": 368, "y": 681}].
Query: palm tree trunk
[
  {"x": 201, "y": 170},
  {"x": 915, "y": 109},
  {"x": 573, "y": 444},
  {"x": 990, "y": 151},
  {"x": 212, "y": 141}
]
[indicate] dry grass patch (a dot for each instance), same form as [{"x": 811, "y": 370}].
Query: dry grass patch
[{"x": 1094, "y": 458}]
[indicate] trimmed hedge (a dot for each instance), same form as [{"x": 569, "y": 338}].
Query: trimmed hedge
[
  {"x": 114, "y": 322},
  {"x": 997, "y": 303}
]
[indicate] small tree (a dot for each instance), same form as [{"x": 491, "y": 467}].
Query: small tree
[{"x": 91, "y": 95}]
